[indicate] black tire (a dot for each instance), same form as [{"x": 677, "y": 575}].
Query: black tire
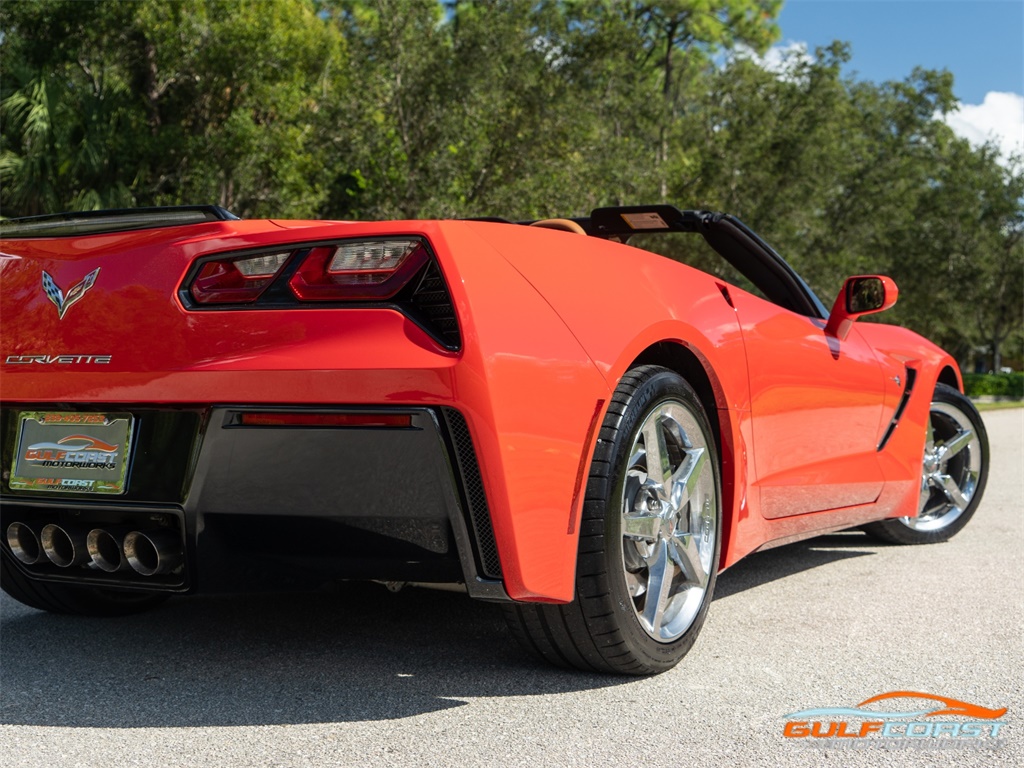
[
  {"x": 611, "y": 626},
  {"x": 70, "y": 598},
  {"x": 953, "y": 476}
]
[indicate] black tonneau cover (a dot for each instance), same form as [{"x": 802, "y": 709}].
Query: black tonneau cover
[{"x": 100, "y": 222}]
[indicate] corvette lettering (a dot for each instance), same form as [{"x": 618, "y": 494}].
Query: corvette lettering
[{"x": 59, "y": 359}]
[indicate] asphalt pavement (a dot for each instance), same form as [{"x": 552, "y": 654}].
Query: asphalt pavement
[{"x": 363, "y": 677}]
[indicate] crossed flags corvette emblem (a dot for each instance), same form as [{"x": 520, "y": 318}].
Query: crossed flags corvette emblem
[{"x": 76, "y": 292}]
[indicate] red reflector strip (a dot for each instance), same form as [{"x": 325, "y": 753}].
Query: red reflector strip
[{"x": 326, "y": 420}]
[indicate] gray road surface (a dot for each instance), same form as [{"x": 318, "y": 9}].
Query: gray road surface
[{"x": 364, "y": 677}]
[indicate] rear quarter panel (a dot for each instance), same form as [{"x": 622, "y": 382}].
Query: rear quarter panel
[{"x": 619, "y": 301}]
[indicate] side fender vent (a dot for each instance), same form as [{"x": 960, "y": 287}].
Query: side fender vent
[{"x": 911, "y": 378}]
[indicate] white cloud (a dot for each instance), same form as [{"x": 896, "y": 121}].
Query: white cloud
[
  {"x": 999, "y": 118},
  {"x": 781, "y": 60}
]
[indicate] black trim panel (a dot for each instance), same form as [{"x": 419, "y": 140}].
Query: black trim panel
[
  {"x": 474, "y": 497},
  {"x": 81, "y": 223},
  {"x": 276, "y": 507}
]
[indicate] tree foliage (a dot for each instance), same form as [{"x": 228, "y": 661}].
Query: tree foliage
[
  {"x": 522, "y": 109},
  {"x": 110, "y": 103}
]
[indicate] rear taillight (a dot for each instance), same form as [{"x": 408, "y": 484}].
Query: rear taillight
[
  {"x": 399, "y": 272},
  {"x": 238, "y": 280},
  {"x": 358, "y": 269}
]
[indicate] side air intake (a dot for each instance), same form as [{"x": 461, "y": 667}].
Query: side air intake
[{"x": 475, "y": 498}]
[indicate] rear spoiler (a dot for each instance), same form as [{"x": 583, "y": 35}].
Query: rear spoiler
[{"x": 99, "y": 222}]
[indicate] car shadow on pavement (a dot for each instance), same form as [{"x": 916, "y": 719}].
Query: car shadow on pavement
[
  {"x": 356, "y": 654},
  {"x": 773, "y": 564}
]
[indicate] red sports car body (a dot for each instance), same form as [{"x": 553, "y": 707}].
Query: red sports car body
[{"x": 582, "y": 429}]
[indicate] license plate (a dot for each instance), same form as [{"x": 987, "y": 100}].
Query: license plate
[{"x": 78, "y": 452}]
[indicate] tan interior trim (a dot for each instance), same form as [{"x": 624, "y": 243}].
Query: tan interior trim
[{"x": 565, "y": 224}]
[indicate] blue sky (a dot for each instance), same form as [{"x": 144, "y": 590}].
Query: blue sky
[{"x": 980, "y": 41}]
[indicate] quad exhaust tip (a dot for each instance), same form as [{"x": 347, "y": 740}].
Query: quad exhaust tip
[
  {"x": 105, "y": 549},
  {"x": 25, "y": 544},
  {"x": 151, "y": 553},
  {"x": 65, "y": 547}
]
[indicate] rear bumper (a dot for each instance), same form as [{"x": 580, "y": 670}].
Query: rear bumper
[{"x": 272, "y": 507}]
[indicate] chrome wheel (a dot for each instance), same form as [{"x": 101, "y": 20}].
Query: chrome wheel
[
  {"x": 669, "y": 512},
  {"x": 952, "y": 468}
]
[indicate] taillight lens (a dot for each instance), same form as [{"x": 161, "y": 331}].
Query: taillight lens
[
  {"x": 358, "y": 269},
  {"x": 238, "y": 280}
]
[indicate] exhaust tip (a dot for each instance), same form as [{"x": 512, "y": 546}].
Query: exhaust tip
[
  {"x": 105, "y": 550},
  {"x": 152, "y": 554},
  {"x": 24, "y": 543},
  {"x": 64, "y": 547}
]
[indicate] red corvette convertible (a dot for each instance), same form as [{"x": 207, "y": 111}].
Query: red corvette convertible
[{"x": 542, "y": 413}]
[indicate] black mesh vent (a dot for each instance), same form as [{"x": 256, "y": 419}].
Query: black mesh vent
[
  {"x": 476, "y": 499},
  {"x": 433, "y": 304}
]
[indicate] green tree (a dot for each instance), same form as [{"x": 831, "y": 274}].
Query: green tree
[
  {"x": 67, "y": 128},
  {"x": 847, "y": 177},
  {"x": 154, "y": 103},
  {"x": 519, "y": 108},
  {"x": 962, "y": 254}
]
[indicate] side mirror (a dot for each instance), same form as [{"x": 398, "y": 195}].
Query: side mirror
[{"x": 861, "y": 295}]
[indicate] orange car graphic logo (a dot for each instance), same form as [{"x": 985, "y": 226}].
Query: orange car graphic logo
[
  {"x": 75, "y": 449},
  {"x": 835, "y": 722},
  {"x": 951, "y": 707}
]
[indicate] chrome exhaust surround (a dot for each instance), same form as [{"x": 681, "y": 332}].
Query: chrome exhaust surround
[
  {"x": 152, "y": 554},
  {"x": 25, "y": 544},
  {"x": 64, "y": 547}
]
